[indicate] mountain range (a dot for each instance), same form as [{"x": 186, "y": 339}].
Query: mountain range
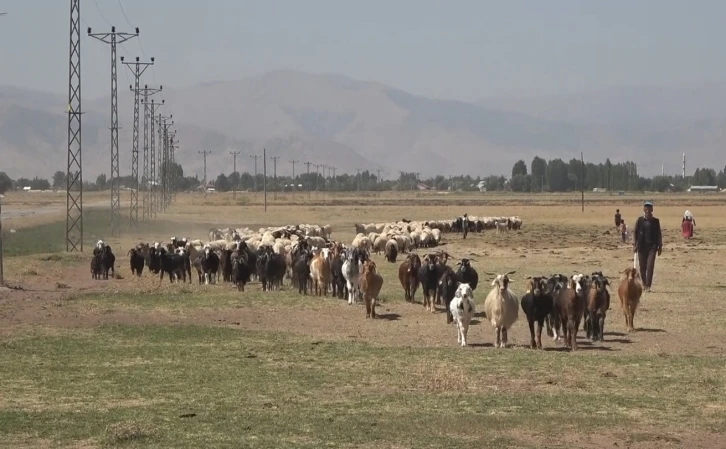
[{"x": 349, "y": 124}]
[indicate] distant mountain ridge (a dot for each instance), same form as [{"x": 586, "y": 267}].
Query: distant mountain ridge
[{"x": 349, "y": 124}]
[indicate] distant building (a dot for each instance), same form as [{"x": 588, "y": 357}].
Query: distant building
[
  {"x": 599, "y": 189},
  {"x": 26, "y": 189},
  {"x": 703, "y": 189}
]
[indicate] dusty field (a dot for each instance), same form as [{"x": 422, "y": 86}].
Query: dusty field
[{"x": 129, "y": 361}]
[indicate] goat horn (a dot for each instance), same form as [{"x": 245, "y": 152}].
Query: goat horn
[
  {"x": 490, "y": 274},
  {"x": 512, "y": 272}
]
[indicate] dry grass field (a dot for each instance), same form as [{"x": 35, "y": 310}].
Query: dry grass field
[{"x": 133, "y": 362}]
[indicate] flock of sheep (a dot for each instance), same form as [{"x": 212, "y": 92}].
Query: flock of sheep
[{"x": 307, "y": 256}]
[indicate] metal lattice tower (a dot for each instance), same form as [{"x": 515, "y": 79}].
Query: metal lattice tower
[
  {"x": 74, "y": 172},
  {"x": 173, "y": 181},
  {"x": 164, "y": 124},
  {"x": 204, "y": 154},
  {"x": 138, "y": 69},
  {"x": 147, "y": 178},
  {"x": 112, "y": 39},
  {"x": 154, "y": 204}
]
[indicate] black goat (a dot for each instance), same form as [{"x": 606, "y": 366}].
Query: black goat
[
  {"x": 448, "y": 283},
  {"x": 210, "y": 265},
  {"x": 302, "y": 271},
  {"x": 555, "y": 284},
  {"x": 241, "y": 269},
  {"x": 225, "y": 265},
  {"x": 136, "y": 261},
  {"x": 153, "y": 260},
  {"x": 467, "y": 274},
  {"x": 171, "y": 264},
  {"x": 428, "y": 276},
  {"x": 336, "y": 275},
  {"x": 96, "y": 271},
  {"x": 537, "y": 305},
  {"x": 106, "y": 260}
]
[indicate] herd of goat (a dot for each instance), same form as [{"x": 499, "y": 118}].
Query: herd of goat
[{"x": 315, "y": 263}]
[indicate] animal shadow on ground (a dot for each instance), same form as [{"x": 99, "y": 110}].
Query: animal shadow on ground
[
  {"x": 388, "y": 316},
  {"x": 481, "y": 345},
  {"x": 618, "y": 340},
  {"x": 647, "y": 329},
  {"x": 615, "y": 334}
]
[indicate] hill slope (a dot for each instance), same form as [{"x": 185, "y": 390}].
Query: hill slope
[{"x": 349, "y": 124}]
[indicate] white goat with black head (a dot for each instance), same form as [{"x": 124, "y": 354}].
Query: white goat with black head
[
  {"x": 501, "y": 307},
  {"x": 462, "y": 308}
]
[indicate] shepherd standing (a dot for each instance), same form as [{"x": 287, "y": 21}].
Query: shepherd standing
[{"x": 647, "y": 242}]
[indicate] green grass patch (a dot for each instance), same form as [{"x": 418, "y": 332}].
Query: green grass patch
[{"x": 189, "y": 386}]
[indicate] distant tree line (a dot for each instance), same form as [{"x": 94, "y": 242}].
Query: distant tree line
[{"x": 541, "y": 175}]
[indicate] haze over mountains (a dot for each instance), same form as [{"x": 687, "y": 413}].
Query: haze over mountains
[{"x": 349, "y": 124}]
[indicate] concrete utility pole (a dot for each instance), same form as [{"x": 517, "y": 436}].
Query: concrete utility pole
[
  {"x": 333, "y": 183},
  {"x": 74, "y": 168},
  {"x": 154, "y": 203},
  {"x": 358, "y": 176},
  {"x": 137, "y": 68},
  {"x": 234, "y": 171},
  {"x": 274, "y": 172},
  {"x": 113, "y": 38},
  {"x": 378, "y": 175},
  {"x": 204, "y": 154},
  {"x": 255, "y": 156},
  {"x": 582, "y": 180},
  {"x": 294, "y": 183},
  {"x": 146, "y": 177}
]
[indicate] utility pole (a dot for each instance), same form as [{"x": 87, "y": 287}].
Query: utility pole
[
  {"x": 264, "y": 174},
  {"x": 325, "y": 167},
  {"x": 205, "y": 153},
  {"x": 274, "y": 171},
  {"x": 308, "y": 164},
  {"x": 334, "y": 176},
  {"x": 234, "y": 171},
  {"x": 358, "y": 176},
  {"x": 255, "y": 156},
  {"x": 378, "y": 175},
  {"x": 2, "y": 274},
  {"x": 154, "y": 204},
  {"x": 582, "y": 180},
  {"x": 138, "y": 69},
  {"x": 146, "y": 177},
  {"x": 113, "y": 38},
  {"x": 74, "y": 169},
  {"x": 294, "y": 183}
]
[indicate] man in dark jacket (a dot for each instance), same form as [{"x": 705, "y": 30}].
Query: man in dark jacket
[
  {"x": 465, "y": 225},
  {"x": 647, "y": 242},
  {"x": 618, "y": 218}
]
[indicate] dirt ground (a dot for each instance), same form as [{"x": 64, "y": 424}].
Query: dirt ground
[{"x": 682, "y": 316}]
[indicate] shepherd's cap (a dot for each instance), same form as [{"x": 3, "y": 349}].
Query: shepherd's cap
[{"x": 648, "y": 203}]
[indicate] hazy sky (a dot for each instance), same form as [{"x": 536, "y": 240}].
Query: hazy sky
[{"x": 463, "y": 49}]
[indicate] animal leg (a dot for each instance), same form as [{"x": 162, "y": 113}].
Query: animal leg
[
  {"x": 539, "y": 335},
  {"x": 373, "y": 307},
  {"x": 504, "y": 337},
  {"x": 549, "y": 326},
  {"x": 499, "y": 337},
  {"x": 458, "y": 332},
  {"x": 464, "y": 332},
  {"x": 532, "y": 343},
  {"x": 601, "y": 328}
]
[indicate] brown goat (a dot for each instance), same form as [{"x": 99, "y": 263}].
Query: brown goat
[
  {"x": 629, "y": 291},
  {"x": 408, "y": 275},
  {"x": 571, "y": 303},
  {"x": 598, "y": 303},
  {"x": 370, "y": 286},
  {"x": 320, "y": 272}
]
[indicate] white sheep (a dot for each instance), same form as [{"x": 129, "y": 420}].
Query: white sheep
[
  {"x": 462, "y": 308},
  {"x": 501, "y": 307}
]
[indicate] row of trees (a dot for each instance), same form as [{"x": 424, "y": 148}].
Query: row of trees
[{"x": 541, "y": 175}]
